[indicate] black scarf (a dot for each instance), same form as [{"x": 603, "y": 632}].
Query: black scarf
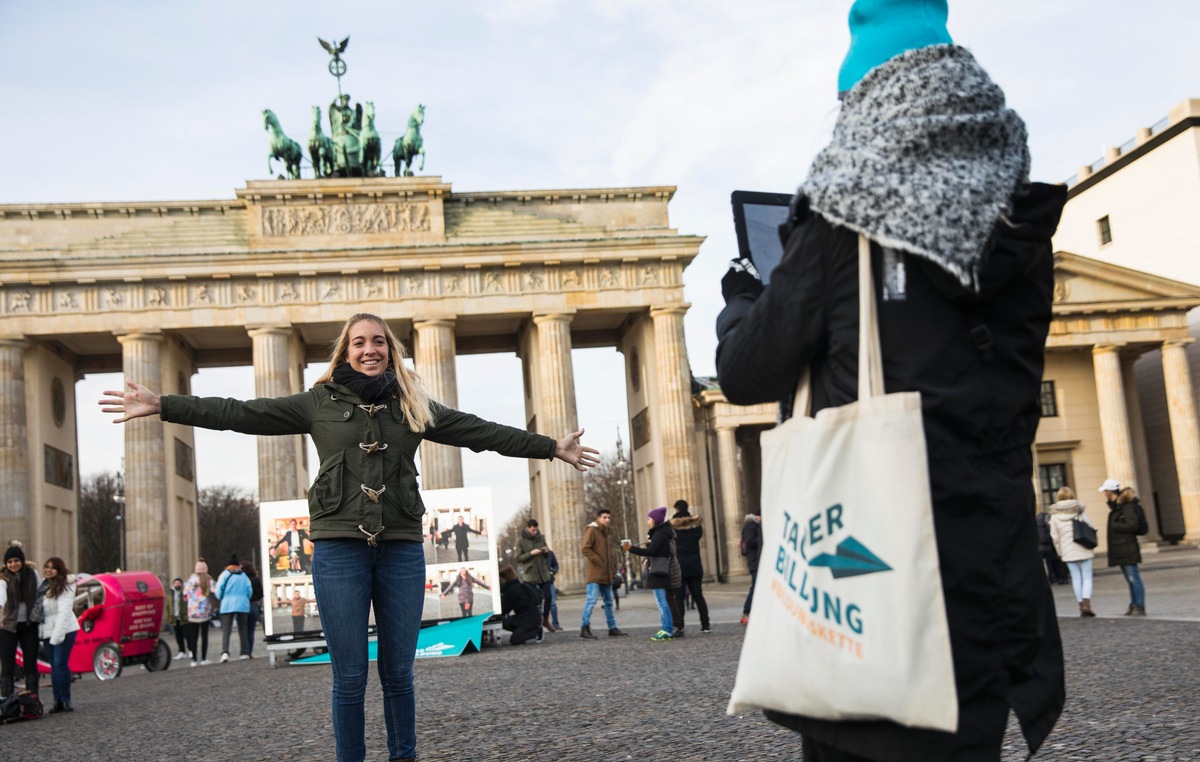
[{"x": 370, "y": 389}]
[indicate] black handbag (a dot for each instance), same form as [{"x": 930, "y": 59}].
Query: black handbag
[
  {"x": 660, "y": 566},
  {"x": 1084, "y": 534}
]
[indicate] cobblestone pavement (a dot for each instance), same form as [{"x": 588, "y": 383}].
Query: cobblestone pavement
[{"x": 1133, "y": 695}]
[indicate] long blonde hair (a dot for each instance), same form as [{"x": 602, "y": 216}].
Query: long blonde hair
[{"x": 413, "y": 399}]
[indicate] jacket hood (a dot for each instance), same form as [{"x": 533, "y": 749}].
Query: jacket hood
[
  {"x": 1067, "y": 507},
  {"x": 525, "y": 533},
  {"x": 685, "y": 522},
  {"x": 664, "y": 527}
]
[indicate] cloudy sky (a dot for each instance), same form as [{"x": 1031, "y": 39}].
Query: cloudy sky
[{"x": 122, "y": 101}]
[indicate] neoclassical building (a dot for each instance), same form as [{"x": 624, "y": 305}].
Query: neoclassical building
[{"x": 160, "y": 289}]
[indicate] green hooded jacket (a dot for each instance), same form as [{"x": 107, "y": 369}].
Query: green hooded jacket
[{"x": 367, "y": 482}]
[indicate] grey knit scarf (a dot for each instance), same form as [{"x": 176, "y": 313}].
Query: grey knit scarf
[{"x": 925, "y": 157}]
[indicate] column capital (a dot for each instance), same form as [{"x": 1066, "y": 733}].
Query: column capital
[
  {"x": 14, "y": 343},
  {"x": 1178, "y": 343},
  {"x": 679, "y": 308},
  {"x": 270, "y": 329},
  {"x": 1104, "y": 349},
  {"x": 155, "y": 336},
  {"x": 553, "y": 317},
  {"x": 435, "y": 322}
]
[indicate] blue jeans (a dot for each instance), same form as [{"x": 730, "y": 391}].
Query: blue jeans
[
  {"x": 60, "y": 673},
  {"x": 664, "y": 609},
  {"x": 1133, "y": 578},
  {"x": 349, "y": 576},
  {"x": 553, "y": 605},
  {"x": 252, "y": 624},
  {"x": 594, "y": 590},
  {"x": 1081, "y": 578}
]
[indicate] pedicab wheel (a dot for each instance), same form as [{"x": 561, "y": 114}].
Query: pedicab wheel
[
  {"x": 107, "y": 662},
  {"x": 160, "y": 658}
]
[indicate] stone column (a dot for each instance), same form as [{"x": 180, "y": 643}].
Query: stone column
[
  {"x": 15, "y": 517},
  {"x": 676, "y": 424},
  {"x": 145, "y": 462},
  {"x": 433, "y": 355},
  {"x": 1114, "y": 416},
  {"x": 557, "y": 417},
  {"x": 1185, "y": 435},
  {"x": 277, "y": 466},
  {"x": 732, "y": 513}
]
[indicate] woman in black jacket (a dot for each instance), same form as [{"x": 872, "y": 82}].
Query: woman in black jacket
[
  {"x": 688, "y": 533},
  {"x": 660, "y": 545},
  {"x": 519, "y": 608},
  {"x": 1123, "y": 547}
]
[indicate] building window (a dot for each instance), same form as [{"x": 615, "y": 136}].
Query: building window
[
  {"x": 1049, "y": 403},
  {"x": 1051, "y": 476},
  {"x": 1105, "y": 230}
]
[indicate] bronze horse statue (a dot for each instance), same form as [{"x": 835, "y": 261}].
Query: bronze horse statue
[
  {"x": 410, "y": 144},
  {"x": 320, "y": 147},
  {"x": 371, "y": 143},
  {"x": 282, "y": 147}
]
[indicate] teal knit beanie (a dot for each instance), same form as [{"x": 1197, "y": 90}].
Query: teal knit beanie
[{"x": 883, "y": 29}]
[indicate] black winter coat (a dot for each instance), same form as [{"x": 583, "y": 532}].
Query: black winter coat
[
  {"x": 977, "y": 362},
  {"x": 661, "y": 544},
  {"x": 520, "y": 608},
  {"x": 752, "y": 542},
  {"x": 1123, "y": 546},
  {"x": 687, "y": 545}
]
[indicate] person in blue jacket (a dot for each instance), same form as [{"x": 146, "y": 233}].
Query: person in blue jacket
[{"x": 234, "y": 590}]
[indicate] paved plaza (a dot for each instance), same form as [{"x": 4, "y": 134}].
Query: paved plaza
[{"x": 1134, "y": 694}]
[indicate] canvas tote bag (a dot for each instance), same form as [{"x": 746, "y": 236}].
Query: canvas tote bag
[{"x": 848, "y": 617}]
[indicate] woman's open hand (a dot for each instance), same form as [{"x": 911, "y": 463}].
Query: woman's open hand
[
  {"x": 569, "y": 450},
  {"x": 136, "y": 402}
]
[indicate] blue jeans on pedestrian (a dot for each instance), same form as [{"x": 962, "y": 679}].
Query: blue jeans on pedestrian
[
  {"x": 1133, "y": 578},
  {"x": 664, "y": 609},
  {"x": 554, "y": 606},
  {"x": 348, "y": 577},
  {"x": 60, "y": 673},
  {"x": 252, "y": 624},
  {"x": 594, "y": 590}
]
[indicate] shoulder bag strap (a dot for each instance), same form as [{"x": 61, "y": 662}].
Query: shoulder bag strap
[{"x": 870, "y": 371}]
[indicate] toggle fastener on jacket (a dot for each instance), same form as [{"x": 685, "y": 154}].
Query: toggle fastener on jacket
[
  {"x": 371, "y": 410},
  {"x": 372, "y": 495},
  {"x": 373, "y": 447}
]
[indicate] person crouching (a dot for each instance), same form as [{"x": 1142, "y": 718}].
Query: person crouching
[{"x": 522, "y": 616}]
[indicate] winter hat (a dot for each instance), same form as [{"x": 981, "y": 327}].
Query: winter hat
[
  {"x": 883, "y": 29},
  {"x": 201, "y": 567},
  {"x": 1110, "y": 485},
  {"x": 233, "y": 561},
  {"x": 681, "y": 508},
  {"x": 659, "y": 514},
  {"x": 14, "y": 552}
]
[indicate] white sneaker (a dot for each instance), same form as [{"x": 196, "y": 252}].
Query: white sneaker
[
  {"x": 243, "y": 657},
  {"x": 181, "y": 655},
  {"x": 205, "y": 662},
  {"x": 194, "y": 663},
  {"x": 224, "y": 657}
]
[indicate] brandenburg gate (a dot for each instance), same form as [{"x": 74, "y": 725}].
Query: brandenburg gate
[{"x": 157, "y": 290}]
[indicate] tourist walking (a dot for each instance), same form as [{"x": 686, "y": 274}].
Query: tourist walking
[
  {"x": 367, "y": 414},
  {"x": 596, "y": 548},
  {"x": 198, "y": 592},
  {"x": 1126, "y": 520},
  {"x": 688, "y": 533},
  {"x": 1078, "y": 558},
  {"x": 660, "y": 545},
  {"x": 59, "y": 626},
  {"x": 929, "y": 164},
  {"x": 751, "y": 547},
  {"x": 256, "y": 605},
  {"x": 533, "y": 553},
  {"x": 233, "y": 591},
  {"x": 21, "y": 623}
]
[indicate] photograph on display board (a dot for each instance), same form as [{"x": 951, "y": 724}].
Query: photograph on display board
[
  {"x": 291, "y": 609},
  {"x": 459, "y": 592},
  {"x": 289, "y": 548},
  {"x": 456, "y": 535}
]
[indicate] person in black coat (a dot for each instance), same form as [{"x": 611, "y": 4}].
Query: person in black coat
[
  {"x": 1056, "y": 570},
  {"x": 1123, "y": 547},
  {"x": 927, "y": 159},
  {"x": 751, "y": 549},
  {"x": 687, "y": 547},
  {"x": 520, "y": 610},
  {"x": 661, "y": 544}
]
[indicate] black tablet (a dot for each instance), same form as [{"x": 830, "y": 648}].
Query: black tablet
[{"x": 756, "y": 218}]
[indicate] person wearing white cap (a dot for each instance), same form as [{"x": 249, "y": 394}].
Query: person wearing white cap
[{"x": 1126, "y": 520}]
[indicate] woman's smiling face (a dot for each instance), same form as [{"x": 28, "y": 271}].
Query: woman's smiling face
[{"x": 367, "y": 351}]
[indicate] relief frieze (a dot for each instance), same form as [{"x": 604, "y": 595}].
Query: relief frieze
[{"x": 346, "y": 219}]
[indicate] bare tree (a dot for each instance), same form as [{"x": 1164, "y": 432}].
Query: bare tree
[
  {"x": 507, "y": 540},
  {"x": 99, "y": 529},
  {"x": 603, "y": 487},
  {"x": 228, "y": 518}
]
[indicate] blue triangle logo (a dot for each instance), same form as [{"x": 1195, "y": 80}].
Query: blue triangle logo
[{"x": 852, "y": 559}]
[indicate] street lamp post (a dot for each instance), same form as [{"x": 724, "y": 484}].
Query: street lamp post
[
  {"x": 119, "y": 499},
  {"x": 622, "y": 481}
]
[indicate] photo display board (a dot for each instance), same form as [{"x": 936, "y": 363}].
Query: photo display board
[{"x": 461, "y": 567}]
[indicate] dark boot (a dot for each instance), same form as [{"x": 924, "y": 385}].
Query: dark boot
[
  {"x": 546, "y": 624},
  {"x": 58, "y": 707},
  {"x": 1137, "y": 611},
  {"x": 616, "y": 633},
  {"x": 1085, "y": 608},
  {"x": 586, "y": 632}
]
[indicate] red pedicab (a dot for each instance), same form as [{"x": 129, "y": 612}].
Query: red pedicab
[{"x": 120, "y": 616}]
